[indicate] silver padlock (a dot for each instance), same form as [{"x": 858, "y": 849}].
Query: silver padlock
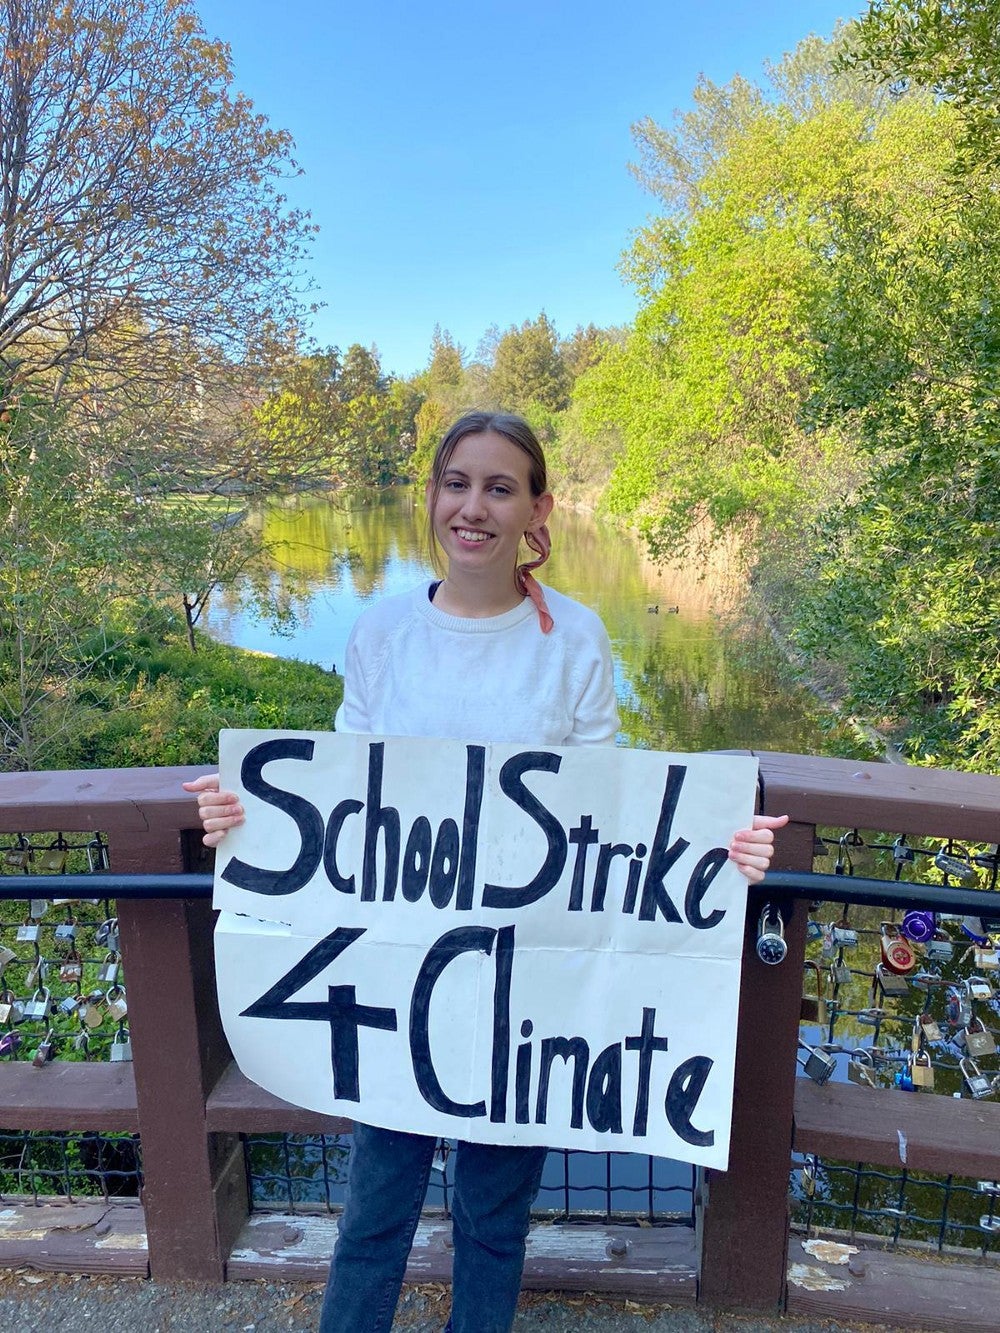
[
  {"x": 978, "y": 1084},
  {"x": 66, "y": 931},
  {"x": 117, "y": 1006},
  {"x": 939, "y": 949},
  {"x": 28, "y": 932},
  {"x": 40, "y": 1004},
  {"x": 108, "y": 970},
  {"x": 6, "y": 956},
  {"x": 69, "y": 1005},
  {"x": 843, "y": 934},
  {"x": 107, "y": 934},
  {"x": 979, "y": 988},
  {"x": 861, "y": 1069},
  {"x": 819, "y": 1064},
  {"x": 37, "y": 907},
  {"x": 771, "y": 946},
  {"x": 121, "y": 1046}
]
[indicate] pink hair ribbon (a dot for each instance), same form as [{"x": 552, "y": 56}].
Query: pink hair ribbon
[{"x": 539, "y": 541}]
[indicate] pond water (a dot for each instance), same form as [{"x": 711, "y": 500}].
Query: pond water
[{"x": 682, "y": 684}]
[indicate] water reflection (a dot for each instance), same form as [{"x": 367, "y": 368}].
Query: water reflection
[{"x": 681, "y": 684}]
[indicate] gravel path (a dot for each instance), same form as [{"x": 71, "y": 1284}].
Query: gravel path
[{"x": 61, "y": 1303}]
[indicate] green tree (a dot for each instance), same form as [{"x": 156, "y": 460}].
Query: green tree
[
  {"x": 947, "y": 46},
  {"x": 528, "y": 368},
  {"x": 146, "y": 280}
]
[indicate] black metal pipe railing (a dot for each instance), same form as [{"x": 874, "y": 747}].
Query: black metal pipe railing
[{"x": 775, "y": 884}]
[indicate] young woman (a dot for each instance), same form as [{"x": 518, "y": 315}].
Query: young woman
[{"x": 484, "y": 654}]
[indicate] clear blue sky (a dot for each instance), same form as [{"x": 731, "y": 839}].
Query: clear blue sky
[{"x": 467, "y": 162}]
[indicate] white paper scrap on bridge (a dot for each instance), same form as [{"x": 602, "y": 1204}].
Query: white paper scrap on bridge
[{"x": 489, "y": 943}]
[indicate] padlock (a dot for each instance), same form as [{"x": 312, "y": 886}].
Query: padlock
[
  {"x": 53, "y": 860},
  {"x": 985, "y": 956},
  {"x": 81, "y": 1043},
  {"x": 71, "y": 969},
  {"x": 891, "y": 983},
  {"x": 978, "y": 1039},
  {"x": 922, "y": 1072},
  {"x": 66, "y": 931},
  {"x": 917, "y": 926},
  {"x": 117, "y": 1007},
  {"x": 68, "y": 1005},
  {"x": 108, "y": 970},
  {"x": 97, "y": 856},
  {"x": 107, "y": 934},
  {"x": 819, "y": 1064},
  {"x": 39, "y": 1006},
  {"x": 939, "y": 948},
  {"x": 7, "y": 1002},
  {"x": 121, "y": 1046},
  {"x": 28, "y": 932},
  {"x": 840, "y": 974},
  {"x": 958, "y": 1007},
  {"x": 844, "y": 933},
  {"x": 843, "y": 864},
  {"x": 37, "y": 908},
  {"x": 955, "y": 864},
  {"x": 814, "y": 1007},
  {"x": 91, "y": 1014},
  {"x": 36, "y": 973},
  {"x": 979, "y": 988},
  {"x": 903, "y": 1079},
  {"x": 9, "y": 1043},
  {"x": 898, "y": 953},
  {"x": 19, "y": 857},
  {"x": 771, "y": 946},
  {"x": 809, "y": 1177},
  {"x": 901, "y": 853},
  {"x": 929, "y": 1027},
  {"x": 861, "y": 1069},
  {"x": 6, "y": 956},
  {"x": 44, "y": 1053},
  {"x": 978, "y": 1084}
]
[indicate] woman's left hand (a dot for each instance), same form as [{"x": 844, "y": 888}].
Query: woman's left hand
[{"x": 752, "y": 848}]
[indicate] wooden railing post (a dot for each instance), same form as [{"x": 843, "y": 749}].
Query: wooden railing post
[
  {"x": 195, "y": 1195},
  {"x": 744, "y": 1217}
]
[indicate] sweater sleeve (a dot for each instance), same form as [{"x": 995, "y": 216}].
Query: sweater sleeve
[
  {"x": 353, "y": 715},
  {"x": 595, "y": 718}
]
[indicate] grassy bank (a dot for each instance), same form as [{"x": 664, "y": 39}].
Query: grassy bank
[{"x": 157, "y": 703}]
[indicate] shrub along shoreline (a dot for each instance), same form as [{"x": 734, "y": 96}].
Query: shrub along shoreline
[{"x": 158, "y": 704}]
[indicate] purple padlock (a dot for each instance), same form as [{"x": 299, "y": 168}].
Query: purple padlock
[
  {"x": 918, "y": 926},
  {"x": 9, "y": 1042}
]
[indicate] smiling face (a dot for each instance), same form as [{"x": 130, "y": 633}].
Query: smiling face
[{"x": 483, "y": 505}]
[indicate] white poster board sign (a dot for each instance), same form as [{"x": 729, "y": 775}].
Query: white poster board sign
[{"x": 487, "y": 942}]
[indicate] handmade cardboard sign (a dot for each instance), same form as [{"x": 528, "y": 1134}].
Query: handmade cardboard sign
[{"x": 487, "y": 942}]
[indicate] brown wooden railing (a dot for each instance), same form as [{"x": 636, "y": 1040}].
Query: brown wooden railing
[{"x": 190, "y": 1104}]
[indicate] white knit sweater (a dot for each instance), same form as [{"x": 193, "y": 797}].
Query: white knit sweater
[{"x": 413, "y": 670}]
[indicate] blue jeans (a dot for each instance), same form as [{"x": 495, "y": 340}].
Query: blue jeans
[{"x": 494, "y": 1190}]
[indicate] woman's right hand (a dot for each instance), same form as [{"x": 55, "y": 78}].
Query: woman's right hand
[{"x": 219, "y": 811}]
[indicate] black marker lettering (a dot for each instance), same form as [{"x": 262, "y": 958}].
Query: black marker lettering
[
  {"x": 583, "y": 836},
  {"x": 683, "y": 1092},
  {"x": 376, "y": 819},
  {"x": 661, "y": 859},
  {"x": 497, "y": 895},
  {"x": 466, "y": 939},
  {"x": 701, "y": 879},
  {"x": 276, "y": 883},
  {"x": 563, "y": 1048},
  {"x": 340, "y": 813}
]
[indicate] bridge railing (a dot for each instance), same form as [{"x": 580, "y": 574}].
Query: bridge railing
[{"x": 183, "y": 1095}]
